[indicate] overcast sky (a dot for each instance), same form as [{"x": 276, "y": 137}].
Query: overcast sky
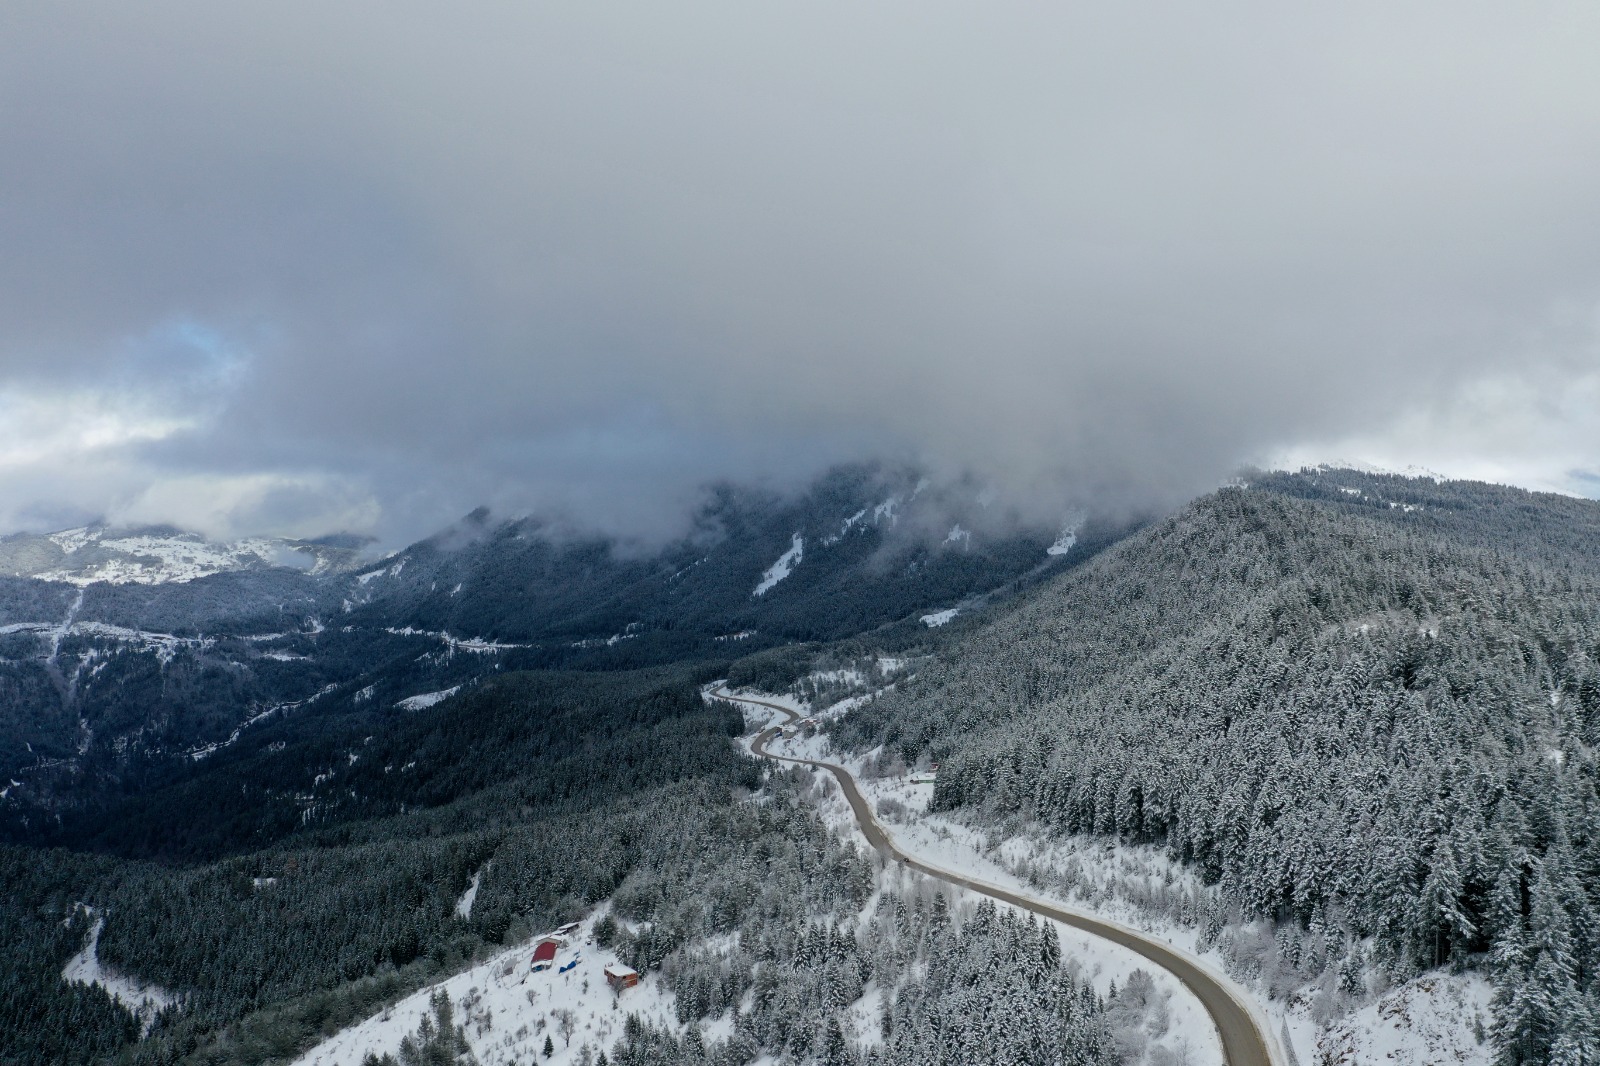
[{"x": 298, "y": 267}]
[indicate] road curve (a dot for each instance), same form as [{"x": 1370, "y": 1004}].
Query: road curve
[{"x": 1244, "y": 1041}]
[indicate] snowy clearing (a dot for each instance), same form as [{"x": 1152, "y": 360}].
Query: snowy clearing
[
  {"x": 469, "y": 897},
  {"x": 477, "y": 645},
  {"x": 427, "y": 699},
  {"x": 209, "y": 749},
  {"x": 783, "y": 567},
  {"x": 508, "y": 1011},
  {"x": 939, "y": 618},
  {"x": 1438, "y": 1018},
  {"x": 141, "y": 1000}
]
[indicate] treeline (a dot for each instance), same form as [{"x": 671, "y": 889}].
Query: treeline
[{"x": 1344, "y": 713}]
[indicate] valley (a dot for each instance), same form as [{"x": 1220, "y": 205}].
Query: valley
[{"x": 368, "y": 808}]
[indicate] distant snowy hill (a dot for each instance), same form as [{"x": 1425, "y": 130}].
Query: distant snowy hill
[
  {"x": 160, "y": 554},
  {"x": 122, "y": 650}
]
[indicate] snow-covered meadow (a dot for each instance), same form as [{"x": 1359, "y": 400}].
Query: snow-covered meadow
[{"x": 508, "y": 1011}]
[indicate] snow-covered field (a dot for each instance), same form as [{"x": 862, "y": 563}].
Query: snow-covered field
[
  {"x": 155, "y": 558},
  {"x": 508, "y": 1011},
  {"x": 427, "y": 699}
]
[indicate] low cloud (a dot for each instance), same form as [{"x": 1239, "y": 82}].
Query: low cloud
[{"x": 376, "y": 264}]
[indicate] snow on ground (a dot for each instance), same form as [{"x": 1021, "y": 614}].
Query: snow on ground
[
  {"x": 1431, "y": 1020},
  {"x": 469, "y": 897},
  {"x": 70, "y": 540},
  {"x": 1063, "y": 544},
  {"x": 783, "y": 567},
  {"x": 154, "y": 558},
  {"x": 1436, "y": 1019},
  {"x": 390, "y": 571},
  {"x": 843, "y": 707},
  {"x": 165, "y": 645},
  {"x": 208, "y": 749},
  {"x": 604, "y": 642},
  {"x": 957, "y": 847},
  {"x": 758, "y": 716},
  {"x": 1190, "y": 1037},
  {"x": 508, "y": 1011},
  {"x": 939, "y": 618},
  {"x": 143, "y": 1001},
  {"x": 957, "y": 535},
  {"x": 427, "y": 699},
  {"x": 844, "y": 531},
  {"x": 473, "y": 644}
]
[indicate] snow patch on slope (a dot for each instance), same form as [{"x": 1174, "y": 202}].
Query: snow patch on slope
[
  {"x": 853, "y": 522},
  {"x": 783, "y": 567},
  {"x": 142, "y": 1000},
  {"x": 469, "y": 897},
  {"x": 424, "y": 701},
  {"x": 476, "y": 645},
  {"x": 939, "y": 618}
]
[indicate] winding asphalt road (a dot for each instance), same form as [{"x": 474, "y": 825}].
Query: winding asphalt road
[{"x": 1244, "y": 1041}]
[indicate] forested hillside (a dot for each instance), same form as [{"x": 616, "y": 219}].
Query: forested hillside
[
  {"x": 116, "y": 688},
  {"x": 549, "y": 795},
  {"x": 1368, "y": 704},
  {"x": 566, "y": 787},
  {"x": 858, "y": 548}
]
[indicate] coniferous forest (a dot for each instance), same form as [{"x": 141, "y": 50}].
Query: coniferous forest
[
  {"x": 1359, "y": 704},
  {"x": 1362, "y": 708}
]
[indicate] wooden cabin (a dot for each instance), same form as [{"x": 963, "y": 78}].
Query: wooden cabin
[
  {"x": 544, "y": 955},
  {"x": 619, "y": 976}
]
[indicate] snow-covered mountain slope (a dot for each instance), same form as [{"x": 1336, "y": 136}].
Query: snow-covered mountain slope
[
  {"x": 860, "y": 548},
  {"x": 159, "y": 554},
  {"x": 120, "y": 649}
]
